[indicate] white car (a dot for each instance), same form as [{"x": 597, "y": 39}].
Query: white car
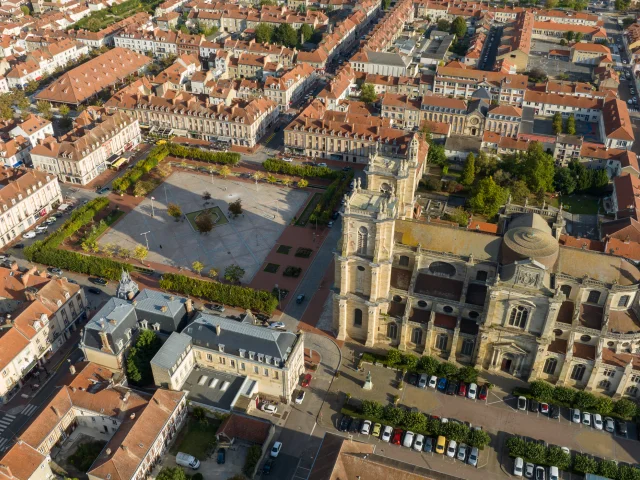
[
  {"x": 575, "y": 415},
  {"x": 300, "y": 397},
  {"x": 269, "y": 408},
  {"x": 433, "y": 381},
  {"x": 29, "y": 235},
  {"x": 41, "y": 228},
  {"x": 597, "y": 421},
  {"x": 473, "y": 391},
  {"x": 386, "y": 434},
  {"x": 322, "y": 164},
  {"x": 462, "y": 452},
  {"x": 586, "y": 419},
  {"x": 518, "y": 467},
  {"x": 278, "y": 326},
  {"x": 451, "y": 450},
  {"x": 366, "y": 427},
  {"x": 407, "y": 441},
  {"x": 422, "y": 382},
  {"x": 418, "y": 443},
  {"x": 275, "y": 450}
]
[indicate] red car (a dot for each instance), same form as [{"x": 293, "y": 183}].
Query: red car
[
  {"x": 306, "y": 380},
  {"x": 397, "y": 436},
  {"x": 462, "y": 389},
  {"x": 482, "y": 394}
]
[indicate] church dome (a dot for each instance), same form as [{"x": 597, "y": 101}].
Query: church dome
[{"x": 529, "y": 237}]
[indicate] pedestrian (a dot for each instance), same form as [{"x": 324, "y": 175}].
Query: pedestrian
[{"x": 160, "y": 247}]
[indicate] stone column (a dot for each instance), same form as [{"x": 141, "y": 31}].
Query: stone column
[
  {"x": 344, "y": 275},
  {"x": 372, "y": 325},
  {"x": 375, "y": 276},
  {"x": 342, "y": 319},
  {"x": 538, "y": 361},
  {"x": 566, "y": 369},
  {"x": 591, "y": 384},
  {"x": 552, "y": 316},
  {"x": 429, "y": 339},
  {"x": 454, "y": 341},
  {"x": 480, "y": 350},
  {"x": 404, "y": 333},
  {"x": 622, "y": 386}
]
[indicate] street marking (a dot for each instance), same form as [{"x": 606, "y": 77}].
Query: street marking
[{"x": 29, "y": 410}]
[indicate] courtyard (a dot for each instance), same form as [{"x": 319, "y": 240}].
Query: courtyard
[{"x": 244, "y": 240}]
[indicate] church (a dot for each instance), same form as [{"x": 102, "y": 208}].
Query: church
[{"x": 515, "y": 300}]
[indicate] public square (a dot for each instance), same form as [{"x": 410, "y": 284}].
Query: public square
[{"x": 244, "y": 241}]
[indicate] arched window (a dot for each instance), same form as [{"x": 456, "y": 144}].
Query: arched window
[
  {"x": 550, "y": 366},
  {"x": 578, "y": 372},
  {"x": 416, "y": 336},
  {"x": 392, "y": 331},
  {"x": 624, "y": 301},
  {"x": 441, "y": 341},
  {"x": 467, "y": 347},
  {"x": 518, "y": 317},
  {"x": 357, "y": 317},
  {"x": 481, "y": 276},
  {"x": 403, "y": 261},
  {"x": 594, "y": 296},
  {"x": 442, "y": 268},
  {"x": 363, "y": 236},
  {"x": 385, "y": 187},
  {"x": 566, "y": 289}
]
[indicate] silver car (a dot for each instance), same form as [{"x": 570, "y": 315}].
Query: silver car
[{"x": 473, "y": 457}]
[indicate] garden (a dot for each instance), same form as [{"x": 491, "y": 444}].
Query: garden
[{"x": 198, "y": 437}]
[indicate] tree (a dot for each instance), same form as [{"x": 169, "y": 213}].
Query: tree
[
  {"x": 415, "y": 421},
  {"x": 625, "y": 408},
  {"x": 436, "y": 155},
  {"x": 443, "y": 25},
  {"x": 557, "y": 123},
  {"x": 519, "y": 192},
  {"x": 371, "y": 408},
  {"x": 603, "y": 405},
  {"x": 235, "y": 208},
  {"x": 541, "y": 390},
  {"x": 579, "y": 35},
  {"x": 264, "y": 33},
  {"x": 368, "y": 93},
  {"x": 140, "y": 253},
  {"x": 302, "y": 183},
  {"x": 213, "y": 273},
  {"x": 447, "y": 370},
  {"x": 233, "y": 273},
  {"x": 535, "y": 452},
  {"x": 286, "y": 181},
  {"x": 622, "y": 5},
  {"x": 538, "y": 168},
  {"x": 224, "y": 171},
  {"x": 140, "y": 355},
  {"x": 393, "y": 414},
  {"x": 607, "y": 468},
  {"x": 44, "y": 108},
  {"x": 428, "y": 365},
  {"x": 271, "y": 179},
  {"x": 516, "y": 446},
  {"x": 257, "y": 176},
  {"x": 64, "y": 110},
  {"x": 305, "y": 32},
  {"x": 204, "y": 222},
  {"x": 25, "y": 10},
  {"x": 171, "y": 473},
  {"x": 124, "y": 253},
  {"x": 394, "y": 357},
  {"x": 627, "y": 472},
  {"x": 467, "y": 375},
  {"x": 478, "y": 438},
  {"x": 569, "y": 35},
  {"x": 174, "y": 210},
  {"x": 600, "y": 179},
  {"x": 537, "y": 74},
  {"x": 563, "y": 42},
  {"x": 455, "y": 431},
  {"x": 197, "y": 267},
  {"x": 584, "y": 400},
  {"x": 459, "y": 216},
  {"x": 286, "y": 35},
  {"x": 585, "y": 464},
  {"x": 563, "y": 181},
  {"x": 487, "y": 197},
  {"x": 486, "y": 165},
  {"x": 410, "y": 362},
  {"x": 31, "y": 87},
  {"x": 458, "y": 27},
  {"x": 555, "y": 456},
  {"x": 469, "y": 171},
  {"x": 571, "y": 125},
  {"x": 564, "y": 395}
]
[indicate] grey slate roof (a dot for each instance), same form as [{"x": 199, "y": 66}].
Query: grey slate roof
[
  {"x": 386, "y": 58},
  {"x": 114, "y": 318},
  {"x": 171, "y": 350},
  {"x": 152, "y": 301},
  {"x": 236, "y": 336}
]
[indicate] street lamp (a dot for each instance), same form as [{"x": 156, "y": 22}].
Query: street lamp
[
  {"x": 278, "y": 289},
  {"x": 146, "y": 238},
  {"x": 152, "y": 212}
]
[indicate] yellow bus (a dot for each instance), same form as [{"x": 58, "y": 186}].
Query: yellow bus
[{"x": 118, "y": 164}]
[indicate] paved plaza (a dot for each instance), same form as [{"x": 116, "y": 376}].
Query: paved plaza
[{"x": 244, "y": 241}]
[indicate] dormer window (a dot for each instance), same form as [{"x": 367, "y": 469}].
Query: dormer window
[
  {"x": 261, "y": 357},
  {"x": 221, "y": 347},
  {"x": 242, "y": 353},
  {"x": 128, "y": 333},
  {"x": 252, "y": 355},
  {"x": 144, "y": 324}
]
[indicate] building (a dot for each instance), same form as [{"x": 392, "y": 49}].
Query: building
[
  {"x": 25, "y": 196},
  {"x": 272, "y": 359},
  {"x": 552, "y": 30},
  {"x": 38, "y": 314},
  {"x": 290, "y": 86},
  {"x": 23, "y": 462},
  {"x": 89, "y": 79},
  {"x": 515, "y": 41},
  {"x": 590, "y": 53},
  {"x": 548, "y": 104},
  {"x": 516, "y": 301},
  {"x": 615, "y": 125},
  {"x": 33, "y": 128},
  {"x": 504, "y": 120},
  {"x": 89, "y": 149}
]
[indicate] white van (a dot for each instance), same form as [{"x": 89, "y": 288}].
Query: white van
[
  {"x": 518, "y": 465},
  {"x": 187, "y": 460}
]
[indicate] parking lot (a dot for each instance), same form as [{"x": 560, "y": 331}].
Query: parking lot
[{"x": 554, "y": 65}]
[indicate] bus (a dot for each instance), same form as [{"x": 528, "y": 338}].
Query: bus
[{"x": 118, "y": 164}]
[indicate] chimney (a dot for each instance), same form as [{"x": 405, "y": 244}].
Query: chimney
[
  {"x": 105, "y": 342},
  {"x": 126, "y": 396},
  {"x": 163, "y": 308},
  {"x": 113, "y": 321},
  {"x": 55, "y": 410},
  {"x": 124, "y": 447},
  {"x": 188, "y": 305},
  {"x": 132, "y": 416},
  {"x": 108, "y": 451},
  {"x": 72, "y": 370},
  {"x": 218, "y": 330}
]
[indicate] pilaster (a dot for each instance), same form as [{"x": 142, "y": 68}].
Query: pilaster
[
  {"x": 566, "y": 369},
  {"x": 404, "y": 333},
  {"x": 344, "y": 275},
  {"x": 372, "y": 326},
  {"x": 342, "y": 319},
  {"x": 480, "y": 350},
  {"x": 429, "y": 337},
  {"x": 622, "y": 386},
  {"x": 591, "y": 384},
  {"x": 538, "y": 361},
  {"x": 454, "y": 341},
  {"x": 375, "y": 280}
]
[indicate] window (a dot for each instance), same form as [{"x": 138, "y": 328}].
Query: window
[
  {"x": 594, "y": 296},
  {"x": 209, "y": 357},
  {"x": 222, "y": 360},
  {"x": 233, "y": 363},
  {"x": 5, "y": 373},
  {"x": 606, "y": 384},
  {"x": 467, "y": 347},
  {"x": 518, "y": 317},
  {"x": 441, "y": 341},
  {"x": 392, "y": 330},
  {"x": 276, "y": 375},
  {"x": 416, "y": 336},
  {"x": 550, "y": 366},
  {"x": 578, "y": 372},
  {"x": 635, "y": 378},
  {"x": 566, "y": 289},
  {"x": 357, "y": 317},
  {"x": 266, "y": 372},
  {"x": 256, "y": 370},
  {"x": 403, "y": 261},
  {"x": 481, "y": 276},
  {"x": 609, "y": 373},
  {"x": 242, "y": 367},
  {"x": 624, "y": 301},
  {"x": 363, "y": 235},
  {"x": 632, "y": 390}
]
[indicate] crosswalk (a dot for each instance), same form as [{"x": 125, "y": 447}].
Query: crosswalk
[
  {"x": 28, "y": 410},
  {"x": 5, "y": 421}
]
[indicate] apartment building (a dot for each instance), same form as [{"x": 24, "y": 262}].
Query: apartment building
[
  {"x": 515, "y": 41},
  {"x": 547, "y": 104},
  {"x": 159, "y": 43},
  {"x": 403, "y": 111},
  {"x": 551, "y": 29},
  {"x": 616, "y": 161},
  {"x": 381, "y": 63},
  {"x": 339, "y": 88},
  {"x": 34, "y": 128},
  {"x": 290, "y": 86},
  {"x": 590, "y": 53},
  {"x": 273, "y": 359},
  {"x": 14, "y": 152},
  {"x": 87, "y": 150},
  {"x": 25, "y": 196},
  {"x": 38, "y": 316},
  {"x": 615, "y": 125},
  {"x": 504, "y": 120},
  {"x": 243, "y": 122}
]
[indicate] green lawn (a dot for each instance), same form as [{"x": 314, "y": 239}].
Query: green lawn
[
  {"x": 216, "y": 213},
  {"x": 578, "y": 203},
  {"x": 306, "y": 213},
  {"x": 196, "y": 439}
]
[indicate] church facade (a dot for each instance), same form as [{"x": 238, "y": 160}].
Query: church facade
[{"x": 516, "y": 301}]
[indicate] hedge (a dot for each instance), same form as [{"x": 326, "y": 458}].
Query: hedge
[
  {"x": 331, "y": 198},
  {"x": 130, "y": 179},
  {"x": 223, "y": 158},
  {"x": 275, "y": 165},
  {"x": 46, "y": 251},
  {"x": 243, "y": 297},
  {"x": 253, "y": 457}
]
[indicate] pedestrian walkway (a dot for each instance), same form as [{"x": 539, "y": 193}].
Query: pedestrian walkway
[
  {"x": 29, "y": 410},
  {"x": 5, "y": 421}
]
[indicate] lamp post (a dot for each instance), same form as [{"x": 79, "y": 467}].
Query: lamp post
[
  {"x": 152, "y": 211},
  {"x": 278, "y": 289},
  {"x": 146, "y": 238}
]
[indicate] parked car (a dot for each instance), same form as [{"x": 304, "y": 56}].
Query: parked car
[
  {"x": 440, "y": 444},
  {"x": 473, "y": 457},
  {"x": 413, "y": 379},
  {"x": 222, "y": 456},
  {"x": 575, "y": 415},
  {"x": 462, "y": 389},
  {"x": 529, "y": 468},
  {"x": 376, "y": 429},
  {"x": 442, "y": 384},
  {"x": 484, "y": 391},
  {"x": 275, "y": 450},
  {"x": 621, "y": 426},
  {"x": 451, "y": 449},
  {"x": 554, "y": 411},
  {"x": 355, "y": 426},
  {"x": 365, "y": 429},
  {"x": 586, "y": 419},
  {"x": 534, "y": 406},
  {"x": 41, "y": 229},
  {"x": 55, "y": 271},
  {"x": 186, "y": 460},
  {"x": 266, "y": 469},
  {"x": 29, "y": 235},
  {"x": 554, "y": 474},
  {"x": 418, "y": 442},
  {"x": 94, "y": 290},
  {"x": 541, "y": 473},
  {"x": 215, "y": 307},
  {"x": 18, "y": 246},
  {"x": 407, "y": 440},
  {"x": 522, "y": 403},
  {"x": 422, "y": 382},
  {"x": 462, "y": 452},
  {"x": 452, "y": 388},
  {"x": 387, "y": 431},
  {"x": 433, "y": 381},
  {"x": 518, "y": 467},
  {"x": 306, "y": 380},
  {"x": 300, "y": 397},
  {"x": 278, "y": 326},
  {"x": 472, "y": 391},
  {"x": 597, "y": 421},
  {"x": 98, "y": 281},
  {"x": 300, "y": 298},
  {"x": 345, "y": 423},
  {"x": 428, "y": 445},
  {"x": 397, "y": 436},
  {"x": 609, "y": 426},
  {"x": 544, "y": 408},
  {"x": 269, "y": 408}
]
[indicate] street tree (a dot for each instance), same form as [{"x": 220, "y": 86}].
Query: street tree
[
  {"x": 459, "y": 27},
  {"x": 571, "y": 125},
  {"x": 204, "y": 222},
  {"x": 235, "y": 208},
  {"x": 174, "y": 210},
  {"x": 263, "y": 33},
  {"x": 140, "y": 253},
  {"x": 197, "y": 267},
  {"x": 224, "y": 171},
  {"x": 233, "y": 273}
]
